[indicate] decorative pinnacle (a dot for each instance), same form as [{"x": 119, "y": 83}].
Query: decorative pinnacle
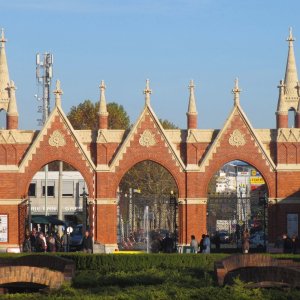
[
  {"x": 12, "y": 85},
  {"x": 147, "y": 92},
  {"x": 3, "y": 40},
  {"x": 290, "y": 38},
  {"x": 102, "y": 102},
  {"x": 57, "y": 88},
  {"x": 191, "y": 85},
  {"x": 192, "y": 102},
  {"x": 102, "y": 85},
  {"x": 281, "y": 84},
  {"x": 58, "y": 92},
  {"x": 236, "y": 92}
]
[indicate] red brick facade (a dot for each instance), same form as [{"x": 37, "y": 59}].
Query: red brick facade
[{"x": 104, "y": 157}]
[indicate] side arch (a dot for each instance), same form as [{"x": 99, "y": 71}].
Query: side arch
[
  {"x": 268, "y": 176},
  {"x": 31, "y": 170}
]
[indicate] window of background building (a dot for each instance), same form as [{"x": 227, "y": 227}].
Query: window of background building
[
  {"x": 68, "y": 188},
  {"x": 50, "y": 188},
  {"x": 32, "y": 189}
]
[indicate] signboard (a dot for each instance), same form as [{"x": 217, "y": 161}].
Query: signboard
[
  {"x": 257, "y": 180},
  {"x": 3, "y": 229},
  {"x": 243, "y": 173},
  {"x": 292, "y": 224}
]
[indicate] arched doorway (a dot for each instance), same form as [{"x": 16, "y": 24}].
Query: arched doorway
[
  {"x": 237, "y": 200},
  {"x": 58, "y": 194},
  {"x": 147, "y": 207}
]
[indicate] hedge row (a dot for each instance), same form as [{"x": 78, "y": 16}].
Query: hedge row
[{"x": 129, "y": 262}]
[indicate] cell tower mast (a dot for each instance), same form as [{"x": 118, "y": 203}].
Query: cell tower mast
[{"x": 44, "y": 74}]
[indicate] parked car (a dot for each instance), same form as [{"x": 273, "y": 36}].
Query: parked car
[
  {"x": 76, "y": 238},
  {"x": 224, "y": 237}
]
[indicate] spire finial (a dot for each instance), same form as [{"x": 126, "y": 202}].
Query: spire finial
[
  {"x": 236, "y": 92},
  {"x": 147, "y": 92},
  {"x": 102, "y": 85},
  {"x": 58, "y": 92},
  {"x": 3, "y": 40},
  {"x": 192, "y": 102},
  {"x": 290, "y": 38},
  {"x": 102, "y": 103}
]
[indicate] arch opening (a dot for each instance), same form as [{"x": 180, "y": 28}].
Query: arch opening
[
  {"x": 147, "y": 209},
  {"x": 2, "y": 119},
  {"x": 57, "y": 196},
  {"x": 291, "y": 118},
  {"x": 237, "y": 201}
]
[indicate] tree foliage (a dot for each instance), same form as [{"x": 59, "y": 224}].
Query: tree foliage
[
  {"x": 167, "y": 124},
  {"x": 85, "y": 116}
]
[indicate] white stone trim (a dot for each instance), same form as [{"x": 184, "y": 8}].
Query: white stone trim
[
  {"x": 10, "y": 201},
  {"x": 102, "y": 168},
  {"x": 288, "y": 167},
  {"x": 103, "y": 201},
  {"x": 8, "y": 168},
  {"x": 7, "y": 247},
  {"x": 192, "y": 201},
  {"x": 192, "y": 168}
]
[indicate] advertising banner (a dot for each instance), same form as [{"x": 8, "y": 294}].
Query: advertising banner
[
  {"x": 3, "y": 229},
  {"x": 257, "y": 180}
]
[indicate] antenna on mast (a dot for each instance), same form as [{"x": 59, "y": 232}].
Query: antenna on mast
[{"x": 44, "y": 74}]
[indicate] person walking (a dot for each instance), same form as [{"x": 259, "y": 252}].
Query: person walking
[
  {"x": 87, "y": 243},
  {"x": 201, "y": 246},
  {"x": 167, "y": 244},
  {"x": 41, "y": 244},
  {"x": 206, "y": 244},
  {"x": 51, "y": 243},
  {"x": 194, "y": 244},
  {"x": 245, "y": 240},
  {"x": 27, "y": 243}
]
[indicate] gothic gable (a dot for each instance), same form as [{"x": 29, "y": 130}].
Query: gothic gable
[
  {"x": 238, "y": 140},
  {"x": 147, "y": 140}
]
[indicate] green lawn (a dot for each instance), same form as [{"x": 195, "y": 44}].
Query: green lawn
[{"x": 154, "y": 276}]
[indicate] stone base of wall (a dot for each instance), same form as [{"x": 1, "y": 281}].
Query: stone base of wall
[
  {"x": 105, "y": 248},
  {"x": 10, "y": 248}
]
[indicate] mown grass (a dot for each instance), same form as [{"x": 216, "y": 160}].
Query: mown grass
[{"x": 153, "y": 277}]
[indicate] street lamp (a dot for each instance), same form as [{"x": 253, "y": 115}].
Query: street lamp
[
  {"x": 85, "y": 209},
  {"x": 174, "y": 203},
  {"x": 264, "y": 202}
]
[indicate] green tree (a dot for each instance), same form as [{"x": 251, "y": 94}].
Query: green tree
[
  {"x": 117, "y": 116},
  {"x": 85, "y": 116},
  {"x": 167, "y": 124}
]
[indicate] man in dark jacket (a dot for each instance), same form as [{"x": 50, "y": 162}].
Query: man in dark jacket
[{"x": 87, "y": 243}]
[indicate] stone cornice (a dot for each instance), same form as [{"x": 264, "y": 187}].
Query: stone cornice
[
  {"x": 288, "y": 167},
  {"x": 190, "y": 201},
  {"x": 10, "y": 201},
  {"x": 9, "y": 168}
]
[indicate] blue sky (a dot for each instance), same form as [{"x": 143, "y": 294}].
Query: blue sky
[{"x": 170, "y": 42}]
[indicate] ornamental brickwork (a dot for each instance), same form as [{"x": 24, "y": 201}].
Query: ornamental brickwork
[{"x": 191, "y": 155}]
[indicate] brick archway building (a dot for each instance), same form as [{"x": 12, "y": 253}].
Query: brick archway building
[{"x": 191, "y": 155}]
